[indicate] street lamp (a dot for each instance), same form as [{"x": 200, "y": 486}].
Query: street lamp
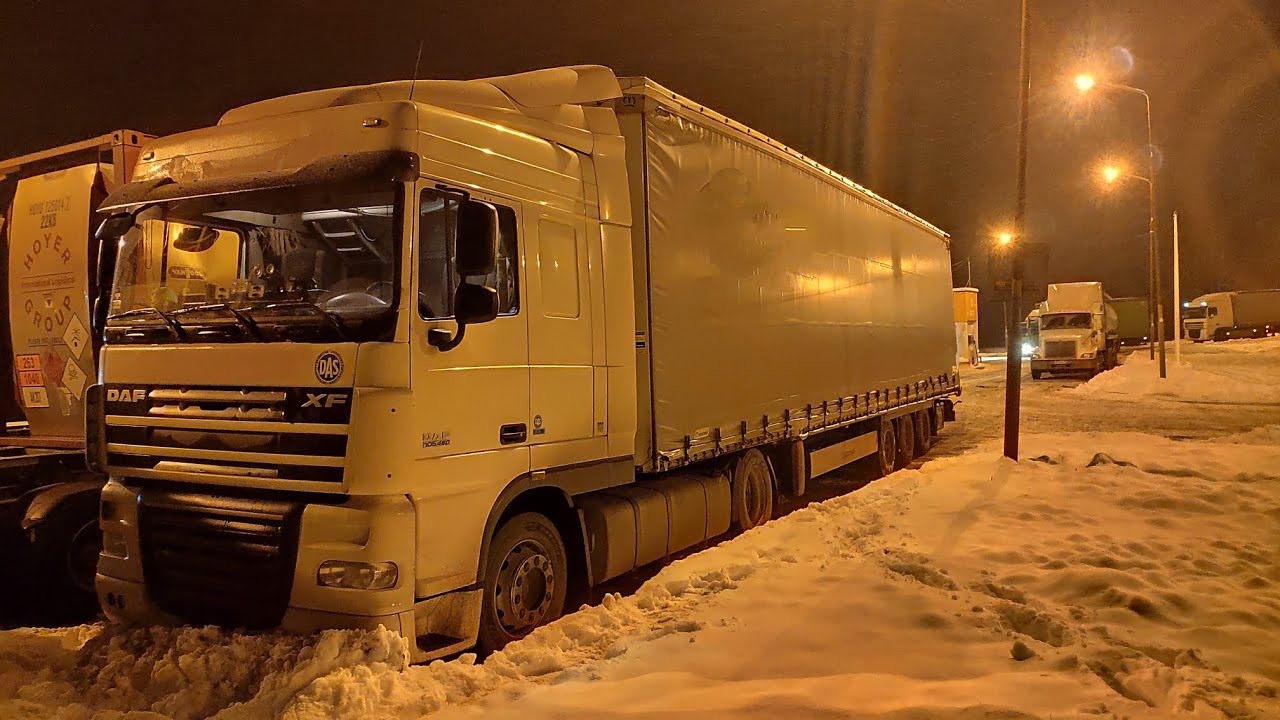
[
  {"x": 1004, "y": 239},
  {"x": 1086, "y": 83}
]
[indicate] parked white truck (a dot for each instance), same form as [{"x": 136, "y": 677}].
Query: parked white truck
[
  {"x": 1235, "y": 314},
  {"x": 442, "y": 363},
  {"x": 1077, "y": 331}
]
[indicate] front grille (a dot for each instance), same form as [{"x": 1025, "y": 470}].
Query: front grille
[
  {"x": 291, "y": 434},
  {"x": 219, "y": 560},
  {"x": 1060, "y": 349}
]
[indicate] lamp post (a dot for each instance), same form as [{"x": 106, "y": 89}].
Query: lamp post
[{"x": 1155, "y": 319}]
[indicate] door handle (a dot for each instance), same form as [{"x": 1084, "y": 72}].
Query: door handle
[{"x": 513, "y": 434}]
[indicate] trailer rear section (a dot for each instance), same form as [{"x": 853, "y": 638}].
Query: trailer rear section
[{"x": 788, "y": 323}]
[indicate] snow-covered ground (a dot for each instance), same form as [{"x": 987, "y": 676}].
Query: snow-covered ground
[{"x": 1128, "y": 567}]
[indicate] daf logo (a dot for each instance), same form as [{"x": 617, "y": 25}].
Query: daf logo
[
  {"x": 328, "y": 367},
  {"x": 325, "y": 400},
  {"x": 118, "y": 395}
]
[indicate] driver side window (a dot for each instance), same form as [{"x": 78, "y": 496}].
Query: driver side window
[{"x": 437, "y": 238}]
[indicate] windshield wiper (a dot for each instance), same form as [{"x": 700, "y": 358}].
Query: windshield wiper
[
  {"x": 339, "y": 327},
  {"x": 171, "y": 324},
  {"x": 244, "y": 320}
]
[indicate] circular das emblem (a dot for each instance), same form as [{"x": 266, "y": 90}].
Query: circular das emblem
[{"x": 328, "y": 367}]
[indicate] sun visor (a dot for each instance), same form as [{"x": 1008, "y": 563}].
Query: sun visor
[{"x": 394, "y": 165}]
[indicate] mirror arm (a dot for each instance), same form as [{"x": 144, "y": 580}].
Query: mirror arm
[{"x": 443, "y": 340}]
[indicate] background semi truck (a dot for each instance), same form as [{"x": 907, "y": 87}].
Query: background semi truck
[
  {"x": 1133, "y": 320},
  {"x": 1077, "y": 331},
  {"x": 48, "y": 498},
  {"x": 1235, "y": 314},
  {"x": 442, "y": 364}
]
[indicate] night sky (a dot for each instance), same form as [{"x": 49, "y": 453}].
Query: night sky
[{"x": 913, "y": 98}]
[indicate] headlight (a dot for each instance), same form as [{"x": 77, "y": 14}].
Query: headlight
[
  {"x": 1028, "y": 349},
  {"x": 357, "y": 575},
  {"x": 1086, "y": 355}
]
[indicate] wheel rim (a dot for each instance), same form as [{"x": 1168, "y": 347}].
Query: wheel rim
[{"x": 525, "y": 587}]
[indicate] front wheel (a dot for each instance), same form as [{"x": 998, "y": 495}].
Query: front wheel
[
  {"x": 525, "y": 581},
  {"x": 1036, "y": 374}
]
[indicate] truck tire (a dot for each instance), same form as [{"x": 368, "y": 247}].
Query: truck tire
[
  {"x": 906, "y": 441},
  {"x": 1035, "y": 374},
  {"x": 752, "y": 486},
  {"x": 525, "y": 581},
  {"x": 924, "y": 433},
  {"x": 65, "y": 547},
  {"x": 888, "y": 447}
]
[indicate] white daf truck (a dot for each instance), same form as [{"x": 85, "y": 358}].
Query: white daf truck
[
  {"x": 441, "y": 355},
  {"x": 1077, "y": 331},
  {"x": 1235, "y": 314}
]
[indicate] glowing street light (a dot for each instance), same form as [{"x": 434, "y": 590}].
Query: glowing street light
[
  {"x": 1004, "y": 239},
  {"x": 1110, "y": 174},
  {"x": 1086, "y": 82}
]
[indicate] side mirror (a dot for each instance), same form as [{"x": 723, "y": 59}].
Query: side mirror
[
  {"x": 472, "y": 305},
  {"x": 476, "y": 249},
  {"x": 475, "y": 304},
  {"x": 115, "y": 226}
]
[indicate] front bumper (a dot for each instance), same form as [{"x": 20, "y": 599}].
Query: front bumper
[
  {"x": 1065, "y": 365},
  {"x": 134, "y": 588},
  {"x": 127, "y": 602}
]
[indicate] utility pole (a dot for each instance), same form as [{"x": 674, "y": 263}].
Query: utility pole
[
  {"x": 1013, "y": 348},
  {"x": 1177, "y": 295}
]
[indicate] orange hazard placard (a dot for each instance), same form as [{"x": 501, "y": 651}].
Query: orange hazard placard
[
  {"x": 31, "y": 378},
  {"x": 26, "y": 362}
]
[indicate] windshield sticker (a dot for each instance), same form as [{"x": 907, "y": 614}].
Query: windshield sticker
[{"x": 329, "y": 367}]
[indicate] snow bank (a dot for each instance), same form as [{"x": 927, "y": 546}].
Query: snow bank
[
  {"x": 1207, "y": 375},
  {"x": 1119, "y": 575}
]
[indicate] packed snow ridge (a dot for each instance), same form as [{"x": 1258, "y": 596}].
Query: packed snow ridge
[{"x": 1113, "y": 575}]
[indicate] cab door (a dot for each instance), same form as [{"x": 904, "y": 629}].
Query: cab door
[
  {"x": 567, "y": 393},
  {"x": 471, "y": 403}
]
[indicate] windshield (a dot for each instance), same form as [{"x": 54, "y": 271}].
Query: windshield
[
  {"x": 1194, "y": 312},
  {"x": 1066, "y": 320},
  {"x": 313, "y": 262}
]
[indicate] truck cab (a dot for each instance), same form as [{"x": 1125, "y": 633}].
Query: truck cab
[
  {"x": 1208, "y": 317},
  {"x": 1077, "y": 331}
]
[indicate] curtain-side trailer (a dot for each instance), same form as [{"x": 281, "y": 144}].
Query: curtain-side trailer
[
  {"x": 48, "y": 499},
  {"x": 452, "y": 360}
]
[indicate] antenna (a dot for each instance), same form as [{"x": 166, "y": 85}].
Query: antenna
[{"x": 416, "y": 60}]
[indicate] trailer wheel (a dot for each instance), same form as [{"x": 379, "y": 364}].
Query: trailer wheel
[
  {"x": 525, "y": 581},
  {"x": 888, "y": 447},
  {"x": 924, "y": 433},
  {"x": 752, "y": 488},
  {"x": 906, "y": 441}
]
